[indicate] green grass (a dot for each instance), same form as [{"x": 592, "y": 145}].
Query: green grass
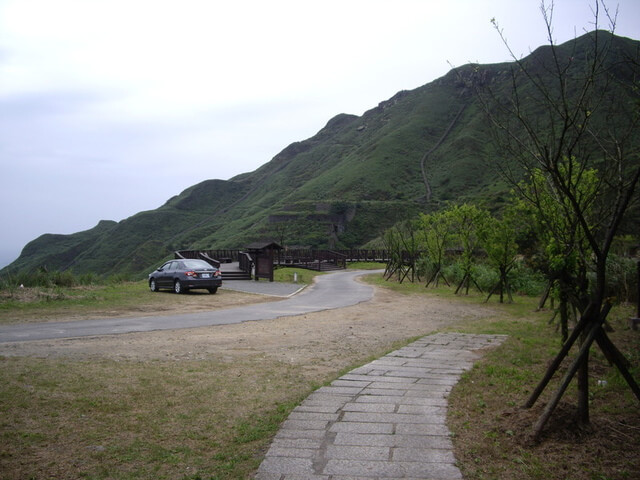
[
  {"x": 131, "y": 420},
  {"x": 38, "y": 304},
  {"x": 41, "y": 303},
  {"x": 365, "y": 266},
  {"x": 299, "y": 275},
  {"x": 491, "y": 431},
  {"x": 208, "y": 418},
  {"x": 55, "y": 300},
  {"x": 305, "y": 277}
]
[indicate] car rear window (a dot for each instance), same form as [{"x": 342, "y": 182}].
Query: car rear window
[{"x": 199, "y": 264}]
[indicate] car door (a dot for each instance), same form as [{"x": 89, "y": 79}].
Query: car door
[{"x": 165, "y": 277}]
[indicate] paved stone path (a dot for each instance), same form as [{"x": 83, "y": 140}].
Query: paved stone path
[{"x": 385, "y": 420}]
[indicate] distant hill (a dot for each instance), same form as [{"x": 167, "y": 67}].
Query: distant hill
[{"x": 340, "y": 188}]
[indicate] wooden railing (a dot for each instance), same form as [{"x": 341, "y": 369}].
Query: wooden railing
[
  {"x": 365, "y": 255},
  {"x": 305, "y": 258},
  {"x": 226, "y": 255},
  {"x": 311, "y": 259},
  {"x": 245, "y": 262},
  {"x": 198, "y": 254}
]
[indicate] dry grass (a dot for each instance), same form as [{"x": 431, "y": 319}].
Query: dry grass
[
  {"x": 493, "y": 434},
  {"x": 204, "y": 403},
  {"x": 108, "y": 419},
  {"x": 41, "y": 304},
  {"x": 187, "y": 404}
]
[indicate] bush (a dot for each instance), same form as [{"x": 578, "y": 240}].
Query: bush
[
  {"x": 522, "y": 279},
  {"x": 88, "y": 279},
  {"x": 62, "y": 279},
  {"x": 118, "y": 278},
  {"x": 486, "y": 277},
  {"x": 46, "y": 279},
  {"x": 453, "y": 273},
  {"x": 622, "y": 278},
  {"x": 526, "y": 281},
  {"x": 425, "y": 267}
]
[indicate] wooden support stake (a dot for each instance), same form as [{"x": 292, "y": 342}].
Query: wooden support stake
[
  {"x": 618, "y": 359},
  {"x": 584, "y": 320},
  {"x": 583, "y": 354}
]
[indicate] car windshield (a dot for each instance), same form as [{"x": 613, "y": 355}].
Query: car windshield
[{"x": 197, "y": 264}]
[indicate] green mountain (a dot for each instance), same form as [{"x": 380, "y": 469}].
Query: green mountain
[{"x": 340, "y": 188}]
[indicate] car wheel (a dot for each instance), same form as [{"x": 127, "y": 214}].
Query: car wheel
[
  {"x": 152, "y": 285},
  {"x": 178, "y": 288},
  {"x": 212, "y": 290}
]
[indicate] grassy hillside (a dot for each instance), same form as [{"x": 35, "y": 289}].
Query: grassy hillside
[{"x": 340, "y": 188}]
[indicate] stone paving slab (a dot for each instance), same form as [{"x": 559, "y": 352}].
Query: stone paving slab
[{"x": 384, "y": 420}]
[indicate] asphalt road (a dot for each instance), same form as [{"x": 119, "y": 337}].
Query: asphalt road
[{"x": 330, "y": 291}]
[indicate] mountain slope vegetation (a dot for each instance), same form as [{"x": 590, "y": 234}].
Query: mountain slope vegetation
[{"x": 341, "y": 188}]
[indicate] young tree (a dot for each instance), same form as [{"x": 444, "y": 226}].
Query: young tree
[
  {"x": 466, "y": 223},
  {"x": 402, "y": 243},
  {"x": 436, "y": 234},
  {"x": 391, "y": 244},
  {"x": 499, "y": 239},
  {"x": 564, "y": 245},
  {"x": 281, "y": 231},
  {"x": 572, "y": 110}
]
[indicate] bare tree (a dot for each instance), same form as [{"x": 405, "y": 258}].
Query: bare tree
[{"x": 572, "y": 109}]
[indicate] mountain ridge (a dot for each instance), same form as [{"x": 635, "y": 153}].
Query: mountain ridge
[{"x": 357, "y": 176}]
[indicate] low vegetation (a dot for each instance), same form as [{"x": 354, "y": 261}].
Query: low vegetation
[
  {"x": 50, "y": 296},
  {"x": 58, "y": 303},
  {"x": 493, "y": 433},
  {"x": 207, "y": 418},
  {"x": 47, "y": 300},
  {"x": 101, "y": 418}
]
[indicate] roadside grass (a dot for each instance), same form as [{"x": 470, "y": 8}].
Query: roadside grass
[
  {"x": 105, "y": 419},
  {"x": 29, "y": 301},
  {"x": 492, "y": 433},
  {"x": 213, "y": 419},
  {"x": 298, "y": 275},
  {"x": 61, "y": 300},
  {"x": 365, "y": 266},
  {"x": 57, "y": 302},
  {"x": 42, "y": 304},
  {"x": 305, "y": 277}
]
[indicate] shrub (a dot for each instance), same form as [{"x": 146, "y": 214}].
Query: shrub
[
  {"x": 526, "y": 281},
  {"x": 118, "y": 278},
  {"x": 46, "y": 279},
  {"x": 622, "y": 278},
  {"x": 485, "y": 276},
  {"x": 61, "y": 279}
]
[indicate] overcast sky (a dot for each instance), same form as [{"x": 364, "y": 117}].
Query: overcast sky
[{"x": 109, "y": 108}]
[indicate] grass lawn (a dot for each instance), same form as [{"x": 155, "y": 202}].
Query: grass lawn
[
  {"x": 493, "y": 433},
  {"x": 98, "y": 418}
]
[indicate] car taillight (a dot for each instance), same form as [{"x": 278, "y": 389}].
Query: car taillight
[
  {"x": 217, "y": 273},
  {"x": 191, "y": 274}
]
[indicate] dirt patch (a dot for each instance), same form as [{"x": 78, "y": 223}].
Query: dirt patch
[{"x": 317, "y": 341}]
